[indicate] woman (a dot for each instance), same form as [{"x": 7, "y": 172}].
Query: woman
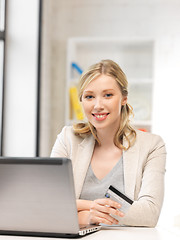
[{"x": 108, "y": 151}]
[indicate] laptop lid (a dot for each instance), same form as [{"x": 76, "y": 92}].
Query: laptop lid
[{"x": 37, "y": 197}]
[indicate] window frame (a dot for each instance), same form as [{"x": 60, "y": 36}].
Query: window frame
[{"x": 2, "y": 38}]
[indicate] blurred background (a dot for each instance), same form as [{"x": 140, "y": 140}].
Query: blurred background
[{"x": 46, "y": 44}]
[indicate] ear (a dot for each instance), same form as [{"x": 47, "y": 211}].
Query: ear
[{"x": 124, "y": 101}]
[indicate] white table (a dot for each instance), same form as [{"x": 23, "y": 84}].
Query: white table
[{"x": 122, "y": 233}]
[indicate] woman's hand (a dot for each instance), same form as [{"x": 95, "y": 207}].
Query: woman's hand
[
  {"x": 83, "y": 205},
  {"x": 101, "y": 211}
]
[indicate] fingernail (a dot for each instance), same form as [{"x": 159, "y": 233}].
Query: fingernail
[{"x": 122, "y": 214}]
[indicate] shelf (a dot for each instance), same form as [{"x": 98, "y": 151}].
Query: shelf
[
  {"x": 145, "y": 126},
  {"x": 133, "y": 81}
]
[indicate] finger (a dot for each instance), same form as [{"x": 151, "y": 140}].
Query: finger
[
  {"x": 106, "y": 208},
  {"x": 99, "y": 217},
  {"x": 108, "y": 202},
  {"x": 98, "y": 220}
]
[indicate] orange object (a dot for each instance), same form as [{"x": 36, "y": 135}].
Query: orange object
[{"x": 143, "y": 129}]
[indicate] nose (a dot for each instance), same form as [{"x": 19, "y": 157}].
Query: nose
[{"x": 98, "y": 105}]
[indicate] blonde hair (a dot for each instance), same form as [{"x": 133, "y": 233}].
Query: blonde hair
[{"x": 109, "y": 68}]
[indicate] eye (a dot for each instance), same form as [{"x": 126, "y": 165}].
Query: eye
[
  {"x": 108, "y": 95},
  {"x": 89, "y": 97}
]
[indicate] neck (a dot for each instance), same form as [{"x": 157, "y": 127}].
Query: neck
[{"x": 106, "y": 137}]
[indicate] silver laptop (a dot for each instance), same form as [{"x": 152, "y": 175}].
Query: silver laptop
[{"x": 37, "y": 198}]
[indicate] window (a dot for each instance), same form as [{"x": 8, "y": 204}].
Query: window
[{"x": 2, "y": 47}]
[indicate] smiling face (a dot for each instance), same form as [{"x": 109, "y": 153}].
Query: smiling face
[{"x": 102, "y": 101}]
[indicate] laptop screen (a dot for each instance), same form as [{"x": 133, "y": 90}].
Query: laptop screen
[{"x": 37, "y": 195}]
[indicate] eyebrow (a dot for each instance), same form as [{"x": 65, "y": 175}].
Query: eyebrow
[{"x": 106, "y": 90}]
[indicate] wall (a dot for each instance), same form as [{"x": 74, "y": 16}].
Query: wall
[
  {"x": 64, "y": 19},
  {"x": 167, "y": 117},
  {"x": 154, "y": 19},
  {"x": 21, "y": 78}
]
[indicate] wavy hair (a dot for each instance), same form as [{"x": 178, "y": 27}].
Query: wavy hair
[{"x": 112, "y": 69}]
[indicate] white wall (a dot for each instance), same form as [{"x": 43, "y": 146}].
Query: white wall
[
  {"x": 21, "y": 78},
  {"x": 166, "y": 118}
]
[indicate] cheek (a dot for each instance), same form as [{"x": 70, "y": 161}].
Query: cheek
[
  {"x": 86, "y": 107},
  {"x": 117, "y": 106}
]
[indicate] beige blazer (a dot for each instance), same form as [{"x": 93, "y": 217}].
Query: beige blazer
[{"x": 144, "y": 168}]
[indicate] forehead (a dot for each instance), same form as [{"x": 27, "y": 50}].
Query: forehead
[{"x": 102, "y": 81}]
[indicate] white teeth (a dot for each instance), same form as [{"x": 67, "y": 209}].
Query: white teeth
[{"x": 99, "y": 116}]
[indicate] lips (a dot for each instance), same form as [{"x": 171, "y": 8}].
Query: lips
[{"x": 100, "y": 116}]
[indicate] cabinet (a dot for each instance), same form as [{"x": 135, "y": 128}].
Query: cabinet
[{"x": 135, "y": 57}]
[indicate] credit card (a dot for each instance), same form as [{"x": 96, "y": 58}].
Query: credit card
[{"x": 119, "y": 197}]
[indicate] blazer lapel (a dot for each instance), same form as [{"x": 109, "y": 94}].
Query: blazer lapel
[
  {"x": 82, "y": 161},
  {"x": 130, "y": 161}
]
